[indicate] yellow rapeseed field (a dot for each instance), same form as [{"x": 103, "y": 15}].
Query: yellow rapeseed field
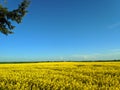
[{"x": 60, "y": 76}]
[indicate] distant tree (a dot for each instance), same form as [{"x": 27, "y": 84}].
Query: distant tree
[{"x": 7, "y": 17}]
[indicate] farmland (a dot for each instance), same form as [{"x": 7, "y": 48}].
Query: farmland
[{"x": 60, "y": 76}]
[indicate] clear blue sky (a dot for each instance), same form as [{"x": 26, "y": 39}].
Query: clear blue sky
[{"x": 65, "y": 29}]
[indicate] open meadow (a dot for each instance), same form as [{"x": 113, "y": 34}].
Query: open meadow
[{"x": 60, "y": 76}]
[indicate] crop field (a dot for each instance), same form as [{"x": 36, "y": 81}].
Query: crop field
[{"x": 60, "y": 76}]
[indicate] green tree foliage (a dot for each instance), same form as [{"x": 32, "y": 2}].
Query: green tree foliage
[{"x": 7, "y": 17}]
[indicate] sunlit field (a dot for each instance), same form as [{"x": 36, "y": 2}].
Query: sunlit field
[{"x": 60, "y": 76}]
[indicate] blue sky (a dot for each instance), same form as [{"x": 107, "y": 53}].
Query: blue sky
[{"x": 65, "y": 29}]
